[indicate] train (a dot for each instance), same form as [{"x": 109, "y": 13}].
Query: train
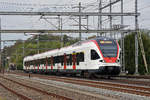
[{"x": 97, "y": 56}]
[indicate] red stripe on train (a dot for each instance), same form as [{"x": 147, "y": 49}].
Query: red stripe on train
[
  {"x": 65, "y": 60},
  {"x": 74, "y": 61},
  {"x": 38, "y": 67},
  {"x": 52, "y": 63}
]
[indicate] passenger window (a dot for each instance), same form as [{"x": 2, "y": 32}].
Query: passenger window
[
  {"x": 81, "y": 57},
  {"x": 70, "y": 60},
  {"x": 78, "y": 58},
  {"x": 94, "y": 55},
  {"x": 62, "y": 60},
  {"x": 67, "y": 57}
]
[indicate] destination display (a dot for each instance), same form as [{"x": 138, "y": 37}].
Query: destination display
[{"x": 106, "y": 42}]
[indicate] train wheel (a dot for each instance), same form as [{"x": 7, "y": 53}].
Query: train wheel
[
  {"x": 88, "y": 75},
  {"x": 108, "y": 77}
]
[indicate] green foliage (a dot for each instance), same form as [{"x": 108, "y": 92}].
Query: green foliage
[
  {"x": 130, "y": 53},
  {"x": 15, "y": 52}
]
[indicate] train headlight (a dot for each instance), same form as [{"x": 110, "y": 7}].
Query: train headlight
[
  {"x": 117, "y": 61},
  {"x": 101, "y": 61}
]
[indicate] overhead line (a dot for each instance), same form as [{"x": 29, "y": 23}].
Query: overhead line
[
  {"x": 70, "y": 13},
  {"x": 64, "y": 31},
  {"x": 108, "y": 5}
]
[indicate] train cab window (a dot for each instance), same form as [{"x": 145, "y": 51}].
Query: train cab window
[{"x": 94, "y": 55}]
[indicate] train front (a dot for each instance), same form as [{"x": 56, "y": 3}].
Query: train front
[{"x": 110, "y": 60}]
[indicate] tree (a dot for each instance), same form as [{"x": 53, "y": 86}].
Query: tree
[
  {"x": 15, "y": 52},
  {"x": 130, "y": 53}
]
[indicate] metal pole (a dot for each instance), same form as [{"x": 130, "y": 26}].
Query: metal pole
[
  {"x": 3, "y": 57},
  {"x": 100, "y": 17},
  {"x": 87, "y": 22},
  {"x": 59, "y": 23},
  {"x": 61, "y": 26},
  {"x": 136, "y": 39},
  {"x": 16, "y": 59},
  {"x": 80, "y": 21},
  {"x": 23, "y": 48},
  {"x": 110, "y": 17},
  {"x": 38, "y": 43},
  {"x": 0, "y": 48},
  {"x": 122, "y": 42}
]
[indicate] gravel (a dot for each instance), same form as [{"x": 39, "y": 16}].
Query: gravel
[
  {"x": 6, "y": 95},
  {"x": 92, "y": 90}
]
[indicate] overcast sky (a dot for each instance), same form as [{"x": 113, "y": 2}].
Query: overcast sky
[{"x": 32, "y": 22}]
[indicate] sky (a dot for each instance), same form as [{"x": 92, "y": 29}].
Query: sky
[{"x": 35, "y": 22}]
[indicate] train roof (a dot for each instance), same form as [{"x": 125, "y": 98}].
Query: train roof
[
  {"x": 102, "y": 38},
  {"x": 28, "y": 58}
]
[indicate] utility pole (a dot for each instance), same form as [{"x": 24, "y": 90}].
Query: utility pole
[
  {"x": 62, "y": 36},
  {"x": 60, "y": 28},
  {"x": 38, "y": 43},
  {"x": 87, "y": 22},
  {"x": 110, "y": 17},
  {"x": 0, "y": 48},
  {"x": 122, "y": 42},
  {"x": 16, "y": 59},
  {"x": 2, "y": 57},
  {"x": 80, "y": 36},
  {"x": 136, "y": 39},
  {"x": 23, "y": 51},
  {"x": 100, "y": 18}
]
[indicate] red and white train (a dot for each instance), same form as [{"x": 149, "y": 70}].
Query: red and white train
[{"x": 96, "y": 56}]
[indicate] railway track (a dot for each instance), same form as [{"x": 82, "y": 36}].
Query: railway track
[
  {"x": 57, "y": 97},
  {"x": 138, "y": 90},
  {"x": 136, "y": 77},
  {"x": 126, "y": 88},
  {"x": 16, "y": 93}
]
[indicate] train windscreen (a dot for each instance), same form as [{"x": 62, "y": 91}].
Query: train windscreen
[{"x": 108, "y": 48}]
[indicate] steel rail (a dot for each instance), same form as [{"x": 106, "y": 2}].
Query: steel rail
[
  {"x": 16, "y": 93},
  {"x": 143, "y": 91},
  {"x": 39, "y": 90}
]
